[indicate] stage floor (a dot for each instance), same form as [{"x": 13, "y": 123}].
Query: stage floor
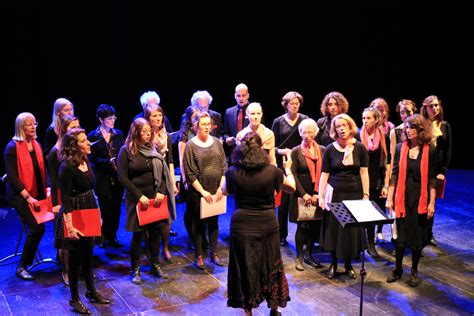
[{"x": 446, "y": 271}]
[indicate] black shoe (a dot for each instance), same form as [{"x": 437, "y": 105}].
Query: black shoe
[
  {"x": 309, "y": 260},
  {"x": 114, "y": 243},
  {"x": 217, "y": 260},
  {"x": 299, "y": 264},
  {"x": 79, "y": 307},
  {"x": 23, "y": 274},
  {"x": 331, "y": 274},
  {"x": 372, "y": 251},
  {"x": 394, "y": 276},
  {"x": 351, "y": 273},
  {"x": 275, "y": 312},
  {"x": 95, "y": 297},
  {"x": 414, "y": 280},
  {"x": 433, "y": 242},
  {"x": 173, "y": 233},
  {"x": 135, "y": 276},
  {"x": 155, "y": 270},
  {"x": 283, "y": 242}
]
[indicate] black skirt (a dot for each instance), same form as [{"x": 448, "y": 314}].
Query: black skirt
[
  {"x": 255, "y": 266},
  {"x": 80, "y": 201}
]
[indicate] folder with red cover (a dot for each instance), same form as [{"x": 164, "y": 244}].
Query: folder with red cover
[
  {"x": 277, "y": 198},
  {"x": 45, "y": 212},
  {"x": 87, "y": 221},
  {"x": 152, "y": 214}
]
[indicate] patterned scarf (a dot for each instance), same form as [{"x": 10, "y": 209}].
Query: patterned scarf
[{"x": 347, "y": 149}]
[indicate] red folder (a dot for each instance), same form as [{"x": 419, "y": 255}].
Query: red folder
[
  {"x": 87, "y": 221},
  {"x": 277, "y": 198},
  {"x": 152, "y": 214},
  {"x": 45, "y": 213},
  {"x": 440, "y": 184}
]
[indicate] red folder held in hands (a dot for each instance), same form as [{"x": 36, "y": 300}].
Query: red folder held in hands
[
  {"x": 87, "y": 221},
  {"x": 277, "y": 198},
  {"x": 152, "y": 214},
  {"x": 45, "y": 211}
]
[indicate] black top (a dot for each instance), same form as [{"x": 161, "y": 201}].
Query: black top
[
  {"x": 323, "y": 137},
  {"x": 443, "y": 148},
  {"x": 254, "y": 189},
  {"x": 53, "y": 169},
  {"x": 101, "y": 153},
  {"x": 300, "y": 170},
  {"x": 286, "y": 135},
  {"x": 135, "y": 173},
  {"x": 50, "y": 139},
  {"x": 14, "y": 184},
  {"x": 73, "y": 182}
]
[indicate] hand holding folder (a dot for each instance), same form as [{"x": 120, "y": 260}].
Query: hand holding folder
[
  {"x": 152, "y": 213},
  {"x": 214, "y": 208},
  {"x": 86, "y": 221},
  {"x": 43, "y": 212}
]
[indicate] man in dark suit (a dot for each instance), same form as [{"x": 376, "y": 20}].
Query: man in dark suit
[{"x": 234, "y": 117}]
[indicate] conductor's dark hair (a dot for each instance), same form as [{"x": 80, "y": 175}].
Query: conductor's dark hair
[{"x": 249, "y": 153}]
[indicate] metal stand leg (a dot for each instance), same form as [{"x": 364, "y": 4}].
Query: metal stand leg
[
  {"x": 18, "y": 243},
  {"x": 362, "y": 276}
]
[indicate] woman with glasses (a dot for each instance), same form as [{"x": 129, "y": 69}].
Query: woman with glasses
[
  {"x": 144, "y": 173},
  {"x": 26, "y": 185},
  {"x": 107, "y": 141}
]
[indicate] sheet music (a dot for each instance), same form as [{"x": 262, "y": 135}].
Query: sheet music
[
  {"x": 363, "y": 210},
  {"x": 215, "y": 208}
]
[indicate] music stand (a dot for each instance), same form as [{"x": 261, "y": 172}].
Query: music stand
[{"x": 346, "y": 219}]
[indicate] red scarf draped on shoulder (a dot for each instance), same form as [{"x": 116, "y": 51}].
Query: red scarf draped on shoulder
[
  {"x": 379, "y": 140},
  {"x": 315, "y": 171},
  {"x": 401, "y": 182},
  {"x": 26, "y": 173}
]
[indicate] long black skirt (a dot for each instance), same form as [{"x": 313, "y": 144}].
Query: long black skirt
[{"x": 255, "y": 266}]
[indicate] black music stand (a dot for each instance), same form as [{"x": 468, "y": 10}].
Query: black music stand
[{"x": 346, "y": 219}]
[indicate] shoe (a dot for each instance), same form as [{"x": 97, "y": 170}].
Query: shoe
[
  {"x": 114, "y": 243},
  {"x": 23, "y": 274},
  {"x": 309, "y": 260},
  {"x": 173, "y": 233},
  {"x": 380, "y": 238},
  {"x": 394, "y": 252},
  {"x": 217, "y": 260},
  {"x": 95, "y": 297},
  {"x": 135, "y": 276},
  {"x": 433, "y": 242},
  {"x": 79, "y": 307},
  {"x": 168, "y": 260},
  {"x": 155, "y": 270},
  {"x": 414, "y": 280},
  {"x": 331, "y": 274},
  {"x": 65, "y": 278},
  {"x": 199, "y": 262},
  {"x": 394, "y": 276},
  {"x": 372, "y": 251},
  {"x": 351, "y": 273},
  {"x": 275, "y": 312},
  {"x": 283, "y": 242},
  {"x": 299, "y": 264}
]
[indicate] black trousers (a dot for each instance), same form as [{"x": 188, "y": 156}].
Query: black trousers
[
  {"x": 81, "y": 258},
  {"x": 110, "y": 208},
  {"x": 35, "y": 230},
  {"x": 283, "y": 211}
]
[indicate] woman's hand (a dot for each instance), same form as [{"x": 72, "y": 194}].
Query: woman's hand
[
  {"x": 431, "y": 210},
  {"x": 32, "y": 202},
  {"x": 314, "y": 199},
  {"x": 440, "y": 176},
  {"x": 158, "y": 199},
  {"x": 384, "y": 192},
  {"x": 75, "y": 233},
  {"x": 175, "y": 189},
  {"x": 56, "y": 209},
  {"x": 219, "y": 194},
  {"x": 144, "y": 201},
  {"x": 287, "y": 162},
  {"x": 207, "y": 196},
  {"x": 321, "y": 202},
  {"x": 307, "y": 199}
]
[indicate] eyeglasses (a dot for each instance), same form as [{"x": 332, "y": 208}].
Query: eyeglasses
[
  {"x": 145, "y": 131},
  {"x": 406, "y": 112},
  {"x": 111, "y": 118},
  {"x": 31, "y": 125}
]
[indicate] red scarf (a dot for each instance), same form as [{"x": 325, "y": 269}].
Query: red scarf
[
  {"x": 402, "y": 174},
  {"x": 26, "y": 173},
  {"x": 314, "y": 171},
  {"x": 379, "y": 139}
]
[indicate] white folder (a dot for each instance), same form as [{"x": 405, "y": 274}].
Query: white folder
[{"x": 214, "y": 208}]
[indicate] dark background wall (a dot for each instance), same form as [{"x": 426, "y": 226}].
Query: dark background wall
[{"x": 113, "y": 52}]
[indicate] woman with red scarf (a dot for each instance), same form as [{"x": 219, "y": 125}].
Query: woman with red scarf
[
  {"x": 344, "y": 176},
  {"x": 412, "y": 194},
  {"x": 375, "y": 141},
  {"x": 307, "y": 162},
  {"x": 26, "y": 185}
]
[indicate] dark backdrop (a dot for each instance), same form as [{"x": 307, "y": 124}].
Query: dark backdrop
[{"x": 113, "y": 52}]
